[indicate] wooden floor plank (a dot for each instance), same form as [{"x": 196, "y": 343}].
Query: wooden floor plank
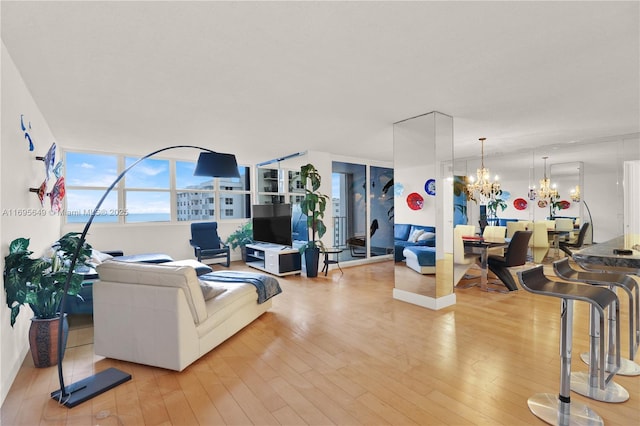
[{"x": 340, "y": 350}]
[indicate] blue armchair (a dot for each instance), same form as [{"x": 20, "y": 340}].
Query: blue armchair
[{"x": 207, "y": 244}]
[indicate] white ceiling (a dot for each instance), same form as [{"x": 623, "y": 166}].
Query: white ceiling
[{"x": 265, "y": 79}]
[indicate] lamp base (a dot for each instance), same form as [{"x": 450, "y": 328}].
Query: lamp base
[{"x": 92, "y": 386}]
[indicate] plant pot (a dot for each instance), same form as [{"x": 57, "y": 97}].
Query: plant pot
[
  {"x": 43, "y": 340},
  {"x": 243, "y": 253},
  {"x": 311, "y": 260}
]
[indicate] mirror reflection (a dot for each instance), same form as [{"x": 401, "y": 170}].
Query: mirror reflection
[{"x": 423, "y": 149}]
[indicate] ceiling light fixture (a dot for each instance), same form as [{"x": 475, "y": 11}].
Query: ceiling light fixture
[
  {"x": 482, "y": 187},
  {"x": 547, "y": 191}
]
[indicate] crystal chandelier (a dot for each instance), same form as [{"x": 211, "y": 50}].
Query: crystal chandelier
[
  {"x": 575, "y": 194},
  {"x": 482, "y": 187},
  {"x": 547, "y": 192}
]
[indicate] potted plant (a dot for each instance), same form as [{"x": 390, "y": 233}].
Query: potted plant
[
  {"x": 40, "y": 283},
  {"x": 493, "y": 205},
  {"x": 313, "y": 206},
  {"x": 241, "y": 237}
]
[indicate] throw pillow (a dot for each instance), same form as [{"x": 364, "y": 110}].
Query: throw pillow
[
  {"x": 427, "y": 236},
  {"x": 97, "y": 257},
  {"x": 414, "y": 235},
  {"x": 210, "y": 290}
]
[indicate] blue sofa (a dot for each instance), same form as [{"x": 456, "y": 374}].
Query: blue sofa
[{"x": 401, "y": 234}]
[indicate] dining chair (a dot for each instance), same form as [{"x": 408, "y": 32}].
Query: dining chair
[
  {"x": 495, "y": 232},
  {"x": 515, "y": 255},
  {"x": 564, "y": 224},
  {"x": 570, "y": 246},
  {"x": 466, "y": 230},
  {"x": 462, "y": 261},
  {"x": 540, "y": 241},
  {"x": 512, "y": 227}
]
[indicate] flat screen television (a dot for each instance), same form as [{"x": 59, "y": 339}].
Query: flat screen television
[{"x": 272, "y": 223}]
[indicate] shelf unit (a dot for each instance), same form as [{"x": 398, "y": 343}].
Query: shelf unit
[
  {"x": 278, "y": 186},
  {"x": 274, "y": 258}
]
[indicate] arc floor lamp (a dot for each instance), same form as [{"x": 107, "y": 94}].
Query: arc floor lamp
[{"x": 210, "y": 163}]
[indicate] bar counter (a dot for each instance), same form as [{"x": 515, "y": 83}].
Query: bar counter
[{"x": 602, "y": 253}]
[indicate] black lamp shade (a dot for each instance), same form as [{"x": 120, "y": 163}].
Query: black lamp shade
[{"x": 215, "y": 164}]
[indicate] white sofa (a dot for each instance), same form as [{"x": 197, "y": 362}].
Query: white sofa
[{"x": 157, "y": 315}]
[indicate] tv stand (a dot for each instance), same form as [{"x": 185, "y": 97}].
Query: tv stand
[{"x": 275, "y": 259}]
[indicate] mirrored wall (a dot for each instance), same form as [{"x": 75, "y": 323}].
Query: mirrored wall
[
  {"x": 587, "y": 176},
  {"x": 423, "y": 196}
]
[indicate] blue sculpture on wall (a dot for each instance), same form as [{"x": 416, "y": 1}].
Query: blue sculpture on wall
[{"x": 26, "y": 129}]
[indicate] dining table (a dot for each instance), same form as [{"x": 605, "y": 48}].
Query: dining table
[
  {"x": 611, "y": 254},
  {"x": 483, "y": 246}
]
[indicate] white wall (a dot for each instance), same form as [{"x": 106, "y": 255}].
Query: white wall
[{"x": 19, "y": 170}]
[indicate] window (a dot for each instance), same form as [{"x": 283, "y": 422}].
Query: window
[
  {"x": 147, "y": 191},
  {"x": 235, "y": 195},
  {"x": 87, "y": 177},
  {"x": 194, "y": 192}
]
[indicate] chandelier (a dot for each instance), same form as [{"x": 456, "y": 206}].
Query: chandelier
[
  {"x": 482, "y": 187},
  {"x": 575, "y": 194},
  {"x": 547, "y": 192}
]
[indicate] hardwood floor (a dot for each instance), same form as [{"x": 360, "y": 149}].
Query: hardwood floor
[{"x": 340, "y": 350}]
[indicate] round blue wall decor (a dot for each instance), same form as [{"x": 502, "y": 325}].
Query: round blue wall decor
[{"x": 430, "y": 187}]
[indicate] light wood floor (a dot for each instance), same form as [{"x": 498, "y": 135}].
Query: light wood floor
[{"x": 340, "y": 350}]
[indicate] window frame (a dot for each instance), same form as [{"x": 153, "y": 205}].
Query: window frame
[{"x": 216, "y": 193}]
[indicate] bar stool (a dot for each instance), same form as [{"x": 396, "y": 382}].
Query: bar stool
[
  {"x": 560, "y": 410},
  {"x": 563, "y": 269}
]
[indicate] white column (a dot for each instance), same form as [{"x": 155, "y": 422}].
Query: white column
[{"x": 631, "y": 190}]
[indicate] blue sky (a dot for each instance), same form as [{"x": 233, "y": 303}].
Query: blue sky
[{"x": 97, "y": 170}]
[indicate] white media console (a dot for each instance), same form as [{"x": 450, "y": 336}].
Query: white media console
[{"x": 274, "y": 258}]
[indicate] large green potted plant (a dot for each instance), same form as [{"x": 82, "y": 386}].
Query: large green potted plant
[
  {"x": 40, "y": 283},
  {"x": 242, "y": 236},
  {"x": 313, "y": 206}
]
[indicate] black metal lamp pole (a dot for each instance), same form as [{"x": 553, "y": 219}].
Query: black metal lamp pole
[{"x": 210, "y": 163}]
